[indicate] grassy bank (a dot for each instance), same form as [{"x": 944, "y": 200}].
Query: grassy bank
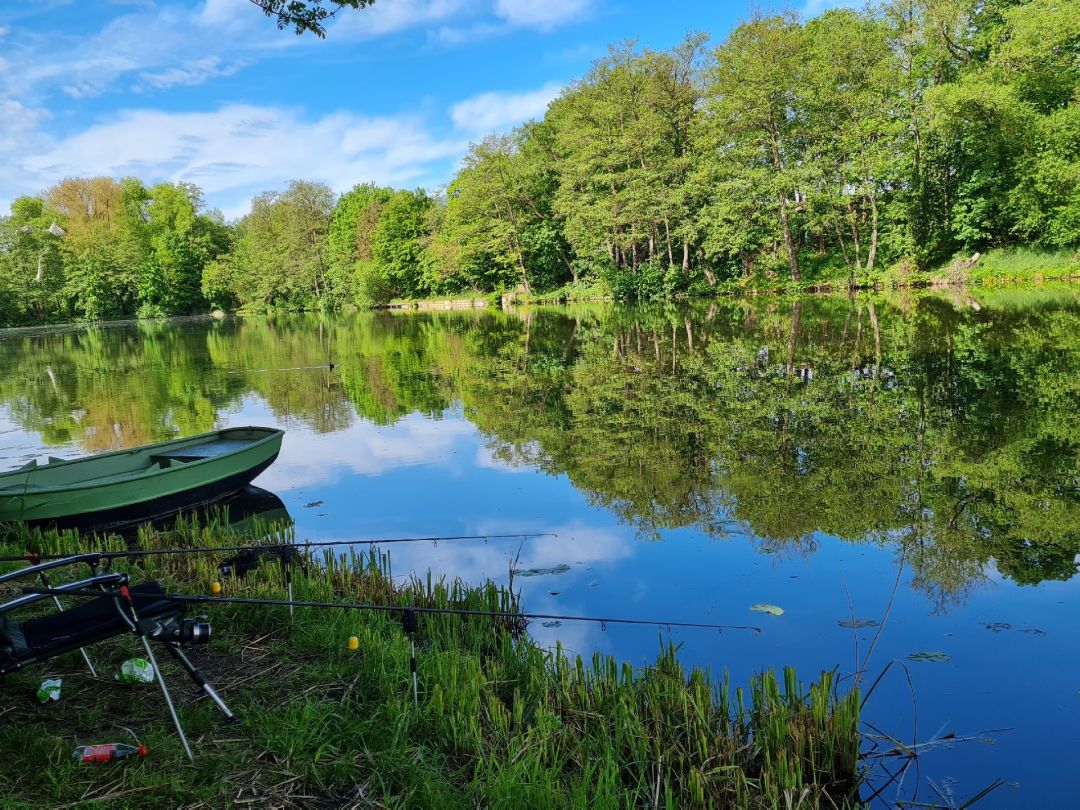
[
  {"x": 1011, "y": 267},
  {"x": 500, "y": 721}
]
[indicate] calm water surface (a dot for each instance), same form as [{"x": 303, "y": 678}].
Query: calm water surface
[{"x": 828, "y": 456}]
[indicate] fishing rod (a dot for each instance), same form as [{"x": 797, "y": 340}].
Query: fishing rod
[
  {"x": 405, "y": 610},
  {"x": 36, "y": 557}
]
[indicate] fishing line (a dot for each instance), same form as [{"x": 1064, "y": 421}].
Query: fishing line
[
  {"x": 35, "y": 557},
  {"x": 328, "y": 366},
  {"x": 199, "y": 599}
]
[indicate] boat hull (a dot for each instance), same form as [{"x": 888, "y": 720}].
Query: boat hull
[
  {"x": 147, "y": 511},
  {"x": 170, "y": 484}
]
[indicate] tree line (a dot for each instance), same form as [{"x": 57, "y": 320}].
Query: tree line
[{"x": 856, "y": 146}]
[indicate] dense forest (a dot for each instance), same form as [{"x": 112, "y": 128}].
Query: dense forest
[
  {"x": 856, "y": 147},
  {"x": 945, "y": 428}
]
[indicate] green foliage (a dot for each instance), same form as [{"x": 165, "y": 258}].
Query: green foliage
[
  {"x": 853, "y": 149},
  {"x": 281, "y": 251},
  {"x": 306, "y": 16},
  {"x": 356, "y": 215},
  {"x": 397, "y": 244}
]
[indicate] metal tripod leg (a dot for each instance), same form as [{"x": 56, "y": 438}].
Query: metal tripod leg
[
  {"x": 60, "y": 607},
  {"x": 200, "y": 679},
  {"x": 168, "y": 697}
]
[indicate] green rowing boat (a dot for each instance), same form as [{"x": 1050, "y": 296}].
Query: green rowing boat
[{"x": 140, "y": 483}]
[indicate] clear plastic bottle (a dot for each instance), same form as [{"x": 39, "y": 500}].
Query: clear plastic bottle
[{"x": 106, "y": 752}]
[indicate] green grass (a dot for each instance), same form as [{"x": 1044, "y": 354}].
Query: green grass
[
  {"x": 501, "y": 722},
  {"x": 1016, "y": 266}
]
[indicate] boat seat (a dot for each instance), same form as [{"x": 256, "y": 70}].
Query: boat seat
[{"x": 219, "y": 447}]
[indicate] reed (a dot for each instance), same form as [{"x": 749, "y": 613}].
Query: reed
[{"x": 500, "y": 721}]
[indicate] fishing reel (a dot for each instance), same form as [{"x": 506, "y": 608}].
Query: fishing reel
[
  {"x": 193, "y": 631},
  {"x": 181, "y": 631}
]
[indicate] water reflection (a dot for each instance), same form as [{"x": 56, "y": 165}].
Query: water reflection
[
  {"x": 945, "y": 428},
  {"x": 251, "y": 510}
]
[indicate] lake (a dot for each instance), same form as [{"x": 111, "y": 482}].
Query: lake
[{"x": 911, "y": 461}]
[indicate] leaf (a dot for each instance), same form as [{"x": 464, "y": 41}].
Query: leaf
[
  {"x": 933, "y": 656},
  {"x": 552, "y": 624},
  {"x": 538, "y": 572},
  {"x": 996, "y": 627},
  {"x": 772, "y": 610},
  {"x": 857, "y": 624}
]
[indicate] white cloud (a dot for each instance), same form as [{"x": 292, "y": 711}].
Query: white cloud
[
  {"x": 454, "y": 36},
  {"x": 546, "y": 14},
  {"x": 192, "y": 72},
  {"x": 493, "y": 111},
  {"x": 396, "y": 15},
  {"x": 18, "y": 125},
  {"x": 238, "y": 150},
  {"x": 171, "y": 44},
  {"x": 151, "y": 41}
]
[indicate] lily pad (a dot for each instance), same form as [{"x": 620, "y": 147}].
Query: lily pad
[
  {"x": 997, "y": 627},
  {"x": 933, "y": 656},
  {"x": 772, "y": 610},
  {"x": 553, "y": 624},
  {"x": 562, "y": 568},
  {"x": 1033, "y": 631},
  {"x": 857, "y": 624},
  {"x": 312, "y": 504}
]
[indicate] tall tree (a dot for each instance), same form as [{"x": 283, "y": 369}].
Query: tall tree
[
  {"x": 355, "y": 218},
  {"x": 757, "y": 108}
]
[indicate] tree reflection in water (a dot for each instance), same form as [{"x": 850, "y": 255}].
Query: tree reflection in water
[{"x": 946, "y": 428}]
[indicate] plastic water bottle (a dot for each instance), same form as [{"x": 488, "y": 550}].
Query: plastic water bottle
[{"x": 106, "y": 752}]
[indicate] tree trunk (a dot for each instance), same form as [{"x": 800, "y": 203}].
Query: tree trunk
[
  {"x": 871, "y": 257},
  {"x": 524, "y": 276},
  {"x": 789, "y": 239},
  {"x": 855, "y": 238},
  {"x": 785, "y": 220},
  {"x": 844, "y": 253},
  {"x": 685, "y": 255},
  {"x": 667, "y": 236}
]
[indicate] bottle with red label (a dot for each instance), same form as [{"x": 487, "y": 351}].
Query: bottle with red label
[{"x": 107, "y": 752}]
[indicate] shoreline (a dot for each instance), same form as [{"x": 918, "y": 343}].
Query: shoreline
[
  {"x": 498, "y": 719},
  {"x": 511, "y": 301}
]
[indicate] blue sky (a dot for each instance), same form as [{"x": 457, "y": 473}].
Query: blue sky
[{"x": 212, "y": 93}]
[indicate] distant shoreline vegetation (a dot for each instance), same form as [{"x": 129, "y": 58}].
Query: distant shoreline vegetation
[{"x": 858, "y": 149}]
